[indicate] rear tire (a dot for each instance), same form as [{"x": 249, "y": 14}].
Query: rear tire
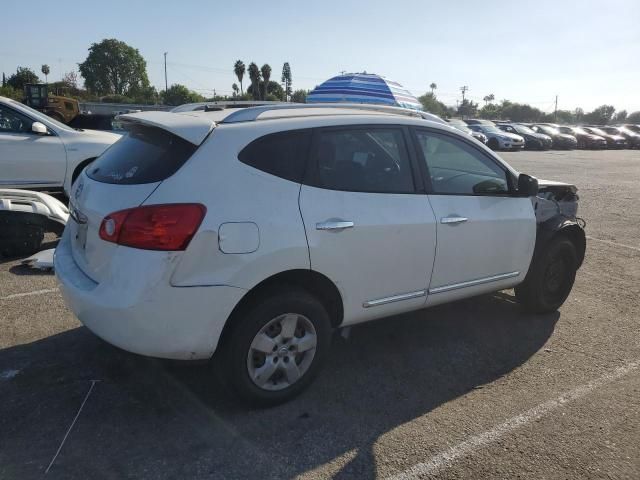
[
  {"x": 275, "y": 347},
  {"x": 550, "y": 278}
]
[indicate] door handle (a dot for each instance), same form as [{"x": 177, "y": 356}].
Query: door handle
[
  {"x": 453, "y": 220},
  {"x": 334, "y": 225}
]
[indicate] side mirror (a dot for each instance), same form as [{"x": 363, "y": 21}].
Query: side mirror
[
  {"x": 39, "y": 128},
  {"x": 527, "y": 185}
]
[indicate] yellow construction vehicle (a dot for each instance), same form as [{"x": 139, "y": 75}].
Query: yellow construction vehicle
[{"x": 63, "y": 109}]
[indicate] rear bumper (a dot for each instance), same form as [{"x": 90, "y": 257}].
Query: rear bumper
[{"x": 136, "y": 309}]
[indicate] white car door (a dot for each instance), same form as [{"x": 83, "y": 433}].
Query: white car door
[
  {"x": 29, "y": 159},
  {"x": 486, "y": 234},
  {"x": 369, "y": 228}
]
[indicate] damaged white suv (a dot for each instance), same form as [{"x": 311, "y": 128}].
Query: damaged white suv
[{"x": 252, "y": 233}]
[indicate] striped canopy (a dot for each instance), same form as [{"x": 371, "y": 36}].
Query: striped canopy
[{"x": 363, "y": 88}]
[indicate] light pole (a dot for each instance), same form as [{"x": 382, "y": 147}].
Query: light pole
[{"x": 166, "y": 85}]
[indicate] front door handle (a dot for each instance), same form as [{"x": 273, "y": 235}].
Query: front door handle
[
  {"x": 334, "y": 225},
  {"x": 453, "y": 220}
]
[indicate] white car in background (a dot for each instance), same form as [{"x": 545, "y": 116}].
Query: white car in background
[
  {"x": 252, "y": 233},
  {"x": 38, "y": 152}
]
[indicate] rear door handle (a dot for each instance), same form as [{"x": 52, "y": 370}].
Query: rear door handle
[
  {"x": 453, "y": 220},
  {"x": 334, "y": 225}
]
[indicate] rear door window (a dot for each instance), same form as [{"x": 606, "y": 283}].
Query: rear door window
[
  {"x": 144, "y": 155},
  {"x": 363, "y": 159}
]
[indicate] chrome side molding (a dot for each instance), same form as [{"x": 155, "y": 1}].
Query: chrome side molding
[
  {"x": 472, "y": 283},
  {"x": 395, "y": 298}
]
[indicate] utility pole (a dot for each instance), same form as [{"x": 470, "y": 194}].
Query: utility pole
[
  {"x": 166, "y": 85},
  {"x": 463, "y": 90},
  {"x": 555, "y": 111}
]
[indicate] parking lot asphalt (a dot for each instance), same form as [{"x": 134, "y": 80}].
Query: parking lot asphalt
[{"x": 475, "y": 389}]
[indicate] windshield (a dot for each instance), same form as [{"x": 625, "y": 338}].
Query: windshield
[
  {"x": 597, "y": 131},
  {"x": 523, "y": 129},
  {"x": 485, "y": 128},
  {"x": 39, "y": 116},
  {"x": 611, "y": 130},
  {"x": 461, "y": 127},
  {"x": 548, "y": 130}
]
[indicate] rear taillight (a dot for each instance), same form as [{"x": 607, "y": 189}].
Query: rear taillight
[{"x": 154, "y": 227}]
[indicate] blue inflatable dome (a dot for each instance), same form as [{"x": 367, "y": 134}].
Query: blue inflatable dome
[{"x": 363, "y": 88}]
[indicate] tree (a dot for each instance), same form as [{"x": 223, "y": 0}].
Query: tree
[
  {"x": 113, "y": 67},
  {"x": 621, "y": 116},
  {"x": 432, "y": 105},
  {"x": 299, "y": 96},
  {"x": 433, "y": 86},
  {"x": 254, "y": 76},
  {"x": 601, "y": 115},
  {"x": 286, "y": 79},
  {"x": 274, "y": 90},
  {"x": 239, "y": 69},
  {"x": 70, "y": 79},
  {"x": 467, "y": 108},
  {"x": 235, "y": 89},
  {"x": 266, "y": 75},
  {"x": 488, "y": 99},
  {"x": 178, "y": 94},
  {"x": 490, "y": 111},
  {"x": 634, "y": 117},
  {"x": 22, "y": 76},
  {"x": 45, "y": 71}
]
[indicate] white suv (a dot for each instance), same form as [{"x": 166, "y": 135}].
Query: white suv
[
  {"x": 39, "y": 152},
  {"x": 253, "y": 233}
]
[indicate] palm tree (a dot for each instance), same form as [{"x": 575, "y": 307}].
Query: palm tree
[
  {"x": 433, "y": 86},
  {"x": 45, "y": 70},
  {"x": 254, "y": 76},
  {"x": 286, "y": 79},
  {"x": 489, "y": 98},
  {"x": 266, "y": 75},
  {"x": 239, "y": 70}
]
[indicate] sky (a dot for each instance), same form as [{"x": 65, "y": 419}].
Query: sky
[{"x": 585, "y": 52}]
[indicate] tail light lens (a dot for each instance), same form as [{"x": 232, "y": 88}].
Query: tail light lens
[{"x": 154, "y": 227}]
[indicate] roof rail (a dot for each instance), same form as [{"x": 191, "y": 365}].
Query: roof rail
[{"x": 251, "y": 114}]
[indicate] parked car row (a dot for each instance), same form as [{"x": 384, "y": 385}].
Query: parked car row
[{"x": 502, "y": 135}]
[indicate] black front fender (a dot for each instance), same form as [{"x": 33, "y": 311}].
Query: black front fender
[{"x": 560, "y": 225}]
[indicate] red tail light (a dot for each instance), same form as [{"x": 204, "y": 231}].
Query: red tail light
[{"x": 154, "y": 227}]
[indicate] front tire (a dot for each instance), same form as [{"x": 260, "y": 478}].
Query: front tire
[
  {"x": 276, "y": 347},
  {"x": 550, "y": 278},
  {"x": 493, "y": 144}
]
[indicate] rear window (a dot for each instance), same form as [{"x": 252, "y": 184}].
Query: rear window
[
  {"x": 282, "y": 154},
  {"x": 144, "y": 155}
]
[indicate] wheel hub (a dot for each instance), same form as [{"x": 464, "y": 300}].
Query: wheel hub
[{"x": 282, "y": 352}]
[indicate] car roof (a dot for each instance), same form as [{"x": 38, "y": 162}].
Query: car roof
[{"x": 194, "y": 126}]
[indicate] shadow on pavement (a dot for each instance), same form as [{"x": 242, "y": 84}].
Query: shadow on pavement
[{"x": 155, "y": 419}]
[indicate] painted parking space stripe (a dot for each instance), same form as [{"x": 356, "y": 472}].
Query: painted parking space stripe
[
  {"x": 609, "y": 242},
  {"x": 29, "y": 294},
  {"x": 476, "y": 442}
]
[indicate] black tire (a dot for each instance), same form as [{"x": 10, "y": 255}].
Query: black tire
[
  {"x": 21, "y": 234},
  {"x": 550, "y": 278},
  {"x": 493, "y": 144},
  {"x": 232, "y": 364}
]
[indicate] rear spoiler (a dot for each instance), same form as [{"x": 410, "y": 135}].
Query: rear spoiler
[{"x": 194, "y": 129}]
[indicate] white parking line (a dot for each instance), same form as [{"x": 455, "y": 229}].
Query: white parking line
[
  {"x": 93, "y": 383},
  {"x": 609, "y": 242},
  {"x": 472, "y": 444},
  {"x": 28, "y": 294}
]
